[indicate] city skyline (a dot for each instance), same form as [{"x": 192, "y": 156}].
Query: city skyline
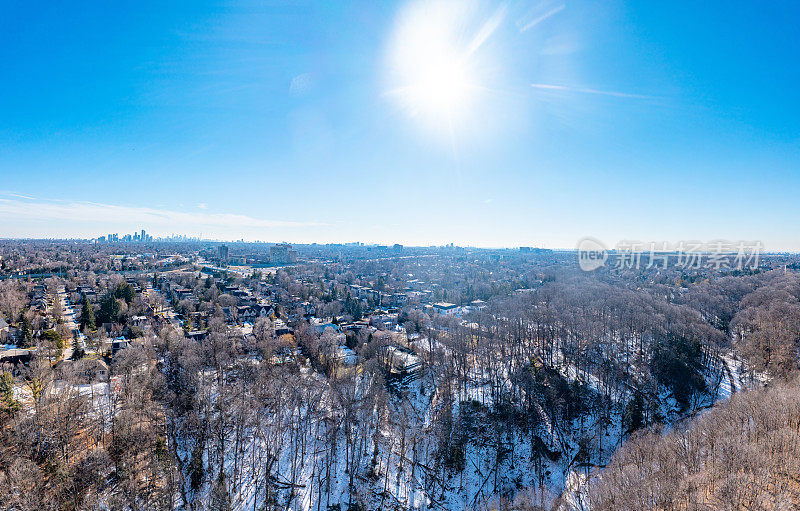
[{"x": 485, "y": 124}]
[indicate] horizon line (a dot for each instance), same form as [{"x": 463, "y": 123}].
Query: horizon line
[{"x": 355, "y": 244}]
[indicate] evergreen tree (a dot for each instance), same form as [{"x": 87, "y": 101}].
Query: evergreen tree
[
  {"x": 53, "y": 338},
  {"x": 77, "y": 351},
  {"x": 26, "y": 332},
  {"x": 633, "y": 416},
  {"x": 87, "y": 315},
  {"x": 109, "y": 309},
  {"x": 125, "y": 292}
]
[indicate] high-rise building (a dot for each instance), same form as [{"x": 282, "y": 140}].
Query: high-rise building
[
  {"x": 282, "y": 254},
  {"x": 222, "y": 252}
]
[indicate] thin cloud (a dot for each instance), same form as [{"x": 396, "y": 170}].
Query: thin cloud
[
  {"x": 582, "y": 90},
  {"x": 539, "y": 19},
  {"x": 40, "y": 210},
  {"x": 486, "y": 30},
  {"x": 18, "y": 195}
]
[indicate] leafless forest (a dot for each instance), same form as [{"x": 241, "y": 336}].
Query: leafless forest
[{"x": 158, "y": 377}]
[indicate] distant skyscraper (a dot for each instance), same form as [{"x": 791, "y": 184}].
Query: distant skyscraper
[
  {"x": 222, "y": 252},
  {"x": 143, "y": 236}
]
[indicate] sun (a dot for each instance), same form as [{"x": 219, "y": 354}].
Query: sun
[
  {"x": 435, "y": 80},
  {"x": 433, "y": 62},
  {"x": 439, "y": 84}
]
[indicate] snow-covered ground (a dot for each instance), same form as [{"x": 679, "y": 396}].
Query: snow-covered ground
[{"x": 307, "y": 454}]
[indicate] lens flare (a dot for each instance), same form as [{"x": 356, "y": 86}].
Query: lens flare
[{"x": 435, "y": 60}]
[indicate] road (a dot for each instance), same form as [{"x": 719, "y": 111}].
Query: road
[{"x": 68, "y": 316}]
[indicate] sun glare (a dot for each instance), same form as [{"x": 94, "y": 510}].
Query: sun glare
[
  {"x": 433, "y": 62},
  {"x": 438, "y": 84}
]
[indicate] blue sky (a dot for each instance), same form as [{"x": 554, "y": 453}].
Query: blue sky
[{"x": 290, "y": 121}]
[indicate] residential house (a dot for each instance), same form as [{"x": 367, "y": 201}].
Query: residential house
[
  {"x": 445, "y": 308},
  {"x": 92, "y": 369},
  {"x": 251, "y": 313},
  {"x": 399, "y": 360}
]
